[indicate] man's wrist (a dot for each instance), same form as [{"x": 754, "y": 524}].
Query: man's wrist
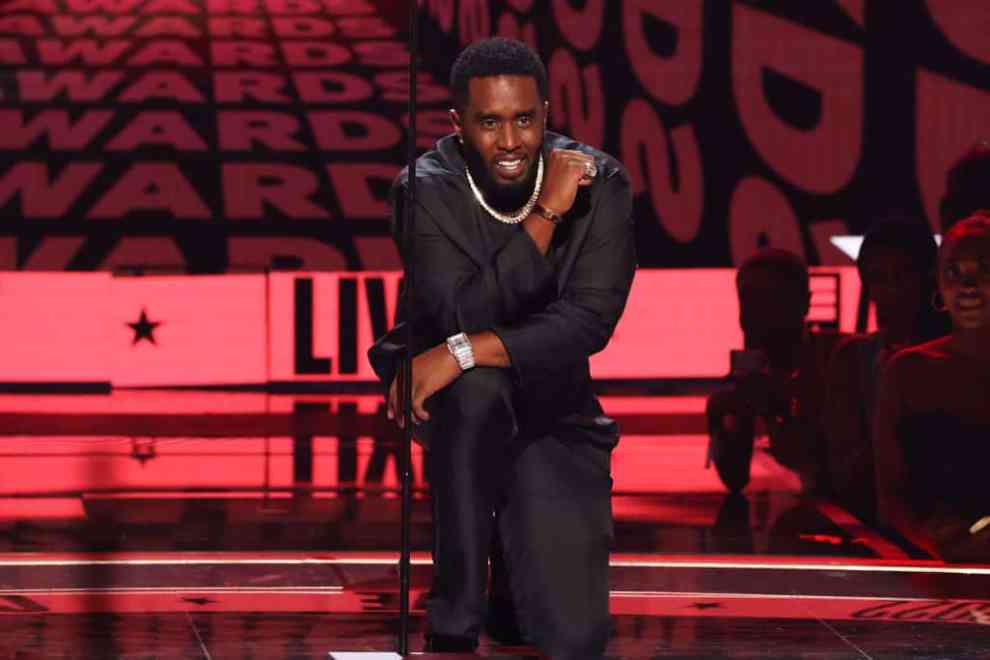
[
  {"x": 489, "y": 351},
  {"x": 460, "y": 347},
  {"x": 548, "y": 214}
]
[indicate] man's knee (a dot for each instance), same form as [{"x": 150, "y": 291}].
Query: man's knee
[{"x": 482, "y": 393}]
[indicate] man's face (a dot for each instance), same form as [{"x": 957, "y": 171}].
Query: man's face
[
  {"x": 502, "y": 129},
  {"x": 771, "y": 309}
]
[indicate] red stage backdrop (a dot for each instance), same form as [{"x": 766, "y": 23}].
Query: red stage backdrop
[{"x": 215, "y": 135}]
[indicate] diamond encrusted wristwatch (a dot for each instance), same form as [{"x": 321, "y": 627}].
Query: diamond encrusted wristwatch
[{"x": 460, "y": 347}]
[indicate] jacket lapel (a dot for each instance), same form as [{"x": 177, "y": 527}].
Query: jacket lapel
[
  {"x": 456, "y": 223},
  {"x": 449, "y": 200}
]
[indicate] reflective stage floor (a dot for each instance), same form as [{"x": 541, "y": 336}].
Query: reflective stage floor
[{"x": 150, "y": 524}]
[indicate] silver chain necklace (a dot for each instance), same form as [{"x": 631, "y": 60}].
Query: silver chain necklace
[{"x": 521, "y": 214}]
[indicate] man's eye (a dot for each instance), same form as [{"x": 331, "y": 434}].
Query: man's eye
[
  {"x": 525, "y": 121},
  {"x": 488, "y": 124}
]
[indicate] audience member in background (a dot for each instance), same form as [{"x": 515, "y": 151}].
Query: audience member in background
[
  {"x": 897, "y": 268},
  {"x": 787, "y": 391},
  {"x": 933, "y": 418},
  {"x": 966, "y": 186}
]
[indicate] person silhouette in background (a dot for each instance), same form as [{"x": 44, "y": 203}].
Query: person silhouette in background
[
  {"x": 787, "y": 391},
  {"x": 896, "y": 264},
  {"x": 933, "y": 422}
]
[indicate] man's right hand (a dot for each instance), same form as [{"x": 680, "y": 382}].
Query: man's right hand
[
  {"x": 566, "y": 171},
  {"x": 432, "y": 371}
]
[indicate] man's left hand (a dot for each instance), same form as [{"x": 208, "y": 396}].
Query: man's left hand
[{"x": 431, "y": 372}]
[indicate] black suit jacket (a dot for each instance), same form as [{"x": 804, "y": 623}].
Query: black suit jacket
[{"x": 550, "y": 319}]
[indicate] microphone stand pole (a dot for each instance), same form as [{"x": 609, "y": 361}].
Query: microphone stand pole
[{"x": 405, "y": 376}]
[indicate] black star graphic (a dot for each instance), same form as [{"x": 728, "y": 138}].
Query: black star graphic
[
  {"x": 144, "y": 329},
  {"x": 198, "y": 601},
  {"x": 706, "y": 606}
]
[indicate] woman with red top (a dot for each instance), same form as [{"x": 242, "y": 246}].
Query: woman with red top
[{"x": 933, "y": 413}]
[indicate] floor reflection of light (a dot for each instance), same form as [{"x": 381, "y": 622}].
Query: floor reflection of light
[{"x": 638, "y": 561}]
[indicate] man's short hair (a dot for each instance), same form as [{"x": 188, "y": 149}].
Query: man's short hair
[
  {"x": 496, "y": 56},
  {"x": 788, "y": 265},
  {"x": 967, "y": 185}
]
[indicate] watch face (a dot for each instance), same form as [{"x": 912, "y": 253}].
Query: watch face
[{"x": 460, "y": 346}]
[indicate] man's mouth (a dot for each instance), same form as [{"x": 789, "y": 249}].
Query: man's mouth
[{"x": 510, "y": 167}]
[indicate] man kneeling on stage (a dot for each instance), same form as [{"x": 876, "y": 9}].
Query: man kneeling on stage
[{"x": 522, "y": 257}]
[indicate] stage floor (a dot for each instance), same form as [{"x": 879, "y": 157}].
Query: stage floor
[{"x": 158, "y": 525}]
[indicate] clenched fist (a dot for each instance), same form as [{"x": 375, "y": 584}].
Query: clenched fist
[{"x": 566, "y": 171}]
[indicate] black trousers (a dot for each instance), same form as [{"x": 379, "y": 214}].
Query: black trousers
[{"x": 548, "y": 497}]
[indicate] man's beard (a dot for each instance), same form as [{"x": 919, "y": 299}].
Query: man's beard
[{"x": 505, "y": 197}]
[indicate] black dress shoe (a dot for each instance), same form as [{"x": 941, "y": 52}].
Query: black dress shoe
[{"x": 450, "y": 644}]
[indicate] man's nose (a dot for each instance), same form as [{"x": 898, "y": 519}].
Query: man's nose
[{"x": 508, "y": 138}]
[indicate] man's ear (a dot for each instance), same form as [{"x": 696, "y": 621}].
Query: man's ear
[{"x": 455, "y": 122}]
